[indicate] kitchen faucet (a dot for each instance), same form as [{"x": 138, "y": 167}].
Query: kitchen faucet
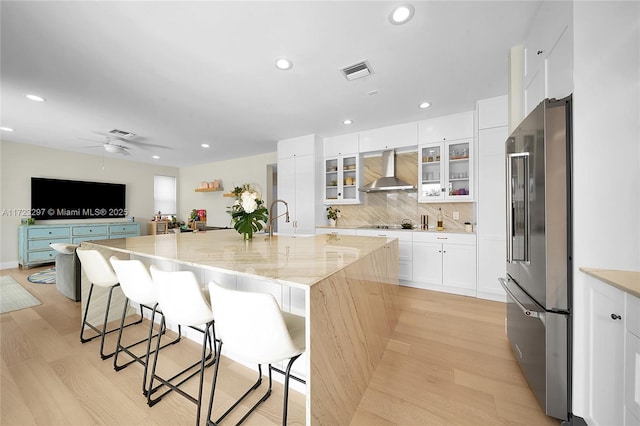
[{"x": 271, "y": 218}]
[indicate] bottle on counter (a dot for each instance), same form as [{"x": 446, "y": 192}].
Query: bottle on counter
[{"x": 440, "y": 220}]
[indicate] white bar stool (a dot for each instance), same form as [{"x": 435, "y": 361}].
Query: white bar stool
[
  {"x": 100, "y": 274},
  {"x": 252, "y": 326},
  {"x": 137, "y": 286},
  {"x": 182, "y": 302}
]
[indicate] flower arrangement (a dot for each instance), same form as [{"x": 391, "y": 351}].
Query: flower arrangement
[
  {"x": 248, "y": 212},
  {"x": 333, "y": 213}
]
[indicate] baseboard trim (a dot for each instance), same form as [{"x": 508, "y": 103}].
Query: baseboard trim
[{"x": 9, "y": 265}]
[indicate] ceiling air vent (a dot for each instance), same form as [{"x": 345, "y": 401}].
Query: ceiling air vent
[
  {"x": 121, "y": 133},
  {"x": 359, "y": 70}
]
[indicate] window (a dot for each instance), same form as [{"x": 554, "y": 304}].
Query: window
[{"x": 164, "y": 195}]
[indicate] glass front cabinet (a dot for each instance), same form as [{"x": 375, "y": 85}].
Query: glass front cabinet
[
  {"x": 342, "y": 176},
  {"x": 445, "y": 170}
]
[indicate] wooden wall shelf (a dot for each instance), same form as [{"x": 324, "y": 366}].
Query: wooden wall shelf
[{"x": 208, "y": 190}]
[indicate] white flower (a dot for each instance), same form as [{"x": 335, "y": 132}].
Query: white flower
[{"x": 249, "y": 204}]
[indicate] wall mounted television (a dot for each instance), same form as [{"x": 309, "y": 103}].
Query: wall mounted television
[{"x": 74, "y": 199}]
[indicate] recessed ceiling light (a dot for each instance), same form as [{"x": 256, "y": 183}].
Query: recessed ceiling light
[
  {"x": 284, "y": 64},
  {"x": 424, "y": 105},
  {"x": 155, "y": 156},
  {"x": 6, "y": 129},
  {"x": 401, "y": 14},
  {"x": 347, "y": 122},
  {"x": 204, "y": 145},
  {"x": 35, "y": 98}
]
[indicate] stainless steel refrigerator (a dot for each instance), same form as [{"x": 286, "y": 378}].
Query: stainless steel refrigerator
[{"x": 539, "y": 279}]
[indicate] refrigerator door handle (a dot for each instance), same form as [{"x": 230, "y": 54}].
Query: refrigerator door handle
[
  {"x": 524, "y": 309},
  {"x": 518, "y": 199},
  {"x": 509, "y": 212}
]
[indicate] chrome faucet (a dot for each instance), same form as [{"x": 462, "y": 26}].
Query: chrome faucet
[{"x": 271, "y": 218}]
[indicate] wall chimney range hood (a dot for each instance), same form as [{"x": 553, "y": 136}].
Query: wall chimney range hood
[{"x": 388, "y": 182}]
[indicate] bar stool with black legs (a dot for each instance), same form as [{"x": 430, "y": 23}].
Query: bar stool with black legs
[
  {"x": 252, "y": 326},
  {"x": 182, "y": 302},
  {"x": 100, "y": 274},
  {"x": 137, "y": 286}
]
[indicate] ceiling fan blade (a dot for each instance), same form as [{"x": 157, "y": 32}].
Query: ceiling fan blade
[
  {"x": 90, "y": 140},
  {"x": 142, "y": 145},
  {"x": 92, "y": 146}
]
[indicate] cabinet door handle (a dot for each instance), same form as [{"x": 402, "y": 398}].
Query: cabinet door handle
[{"x": 616, "y": 317}]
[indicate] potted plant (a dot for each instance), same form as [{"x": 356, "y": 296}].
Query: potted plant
[
  {"x": 248, "y": 212},
  {"x": 333, "y": 213}
]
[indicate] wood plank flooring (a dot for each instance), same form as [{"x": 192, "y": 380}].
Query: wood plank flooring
[{"x": 449, "y": 362}]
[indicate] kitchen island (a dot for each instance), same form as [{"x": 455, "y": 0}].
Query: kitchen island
[{"x": 345, "y": 286}]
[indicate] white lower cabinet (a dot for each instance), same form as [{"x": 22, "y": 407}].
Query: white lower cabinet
[
  {"x": 444, "y": 262},
  {"x": 632, "y": 361},
  {"x": 612, "y": 355},
  {"x": 404, "y": 246}
]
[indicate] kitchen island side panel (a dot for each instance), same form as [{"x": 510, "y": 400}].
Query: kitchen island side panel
[{"x": 353, "y": 313}]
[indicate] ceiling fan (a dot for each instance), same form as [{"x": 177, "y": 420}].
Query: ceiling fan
[{"x": 120, "y": 142}]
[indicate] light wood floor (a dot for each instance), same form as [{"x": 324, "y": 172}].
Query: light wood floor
[{"x": 448, "y": 363}]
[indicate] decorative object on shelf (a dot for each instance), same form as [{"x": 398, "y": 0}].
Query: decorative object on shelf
[
  {"x": 248, "y": 212},
  {"x": 333, "y": 213},
  {"x": 215, "y": 185}
]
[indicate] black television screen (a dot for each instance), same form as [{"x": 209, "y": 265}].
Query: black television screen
[{"x": 73, "y": 199}]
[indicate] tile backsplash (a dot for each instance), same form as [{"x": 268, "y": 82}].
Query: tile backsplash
[{"x": 390, "y": 208}]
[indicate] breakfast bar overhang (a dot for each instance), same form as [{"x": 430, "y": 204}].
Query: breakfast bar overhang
[{"x": 345, "y": 286}]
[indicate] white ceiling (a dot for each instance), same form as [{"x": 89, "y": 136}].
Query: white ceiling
[{"x": 179, "y": 74}]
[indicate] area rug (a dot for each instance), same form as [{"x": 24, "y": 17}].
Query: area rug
[
  {"x": 48, "y": 276},
  {"x": 13, "y": 296}
]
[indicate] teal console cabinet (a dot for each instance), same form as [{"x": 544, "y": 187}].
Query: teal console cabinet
[{"x": 34, "y": 240}]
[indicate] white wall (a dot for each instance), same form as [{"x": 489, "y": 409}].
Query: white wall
[
  {"x": 606, "y": 151},
  {"x": 19, "y": 162},
  {"x": 232, "y": 173}
]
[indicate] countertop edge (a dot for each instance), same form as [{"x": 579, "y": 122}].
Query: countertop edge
[{"x": 627, "y": 281}]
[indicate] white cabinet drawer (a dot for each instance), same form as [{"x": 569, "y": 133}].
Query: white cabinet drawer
[
  {"x": 406, "y": 235},
  {"x": 335, "y": 231},
  {"x": 440, "y": 237}
]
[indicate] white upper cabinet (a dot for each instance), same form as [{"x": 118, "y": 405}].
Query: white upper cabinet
[
  {"x": 559, "y": 67},
  {"x": 296, "y": 147},
  {"x": 341, "y": 145},
  {"x": 548, "y": 57},
  {"x": 493, "y": 112},
  {"x": 391, "y": 137},
  {"x": 446, "y": 128}
]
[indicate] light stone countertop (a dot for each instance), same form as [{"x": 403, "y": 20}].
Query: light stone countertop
[
  {"x": 628, "y": 281},
  {"x": 296, "y": 261}
]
